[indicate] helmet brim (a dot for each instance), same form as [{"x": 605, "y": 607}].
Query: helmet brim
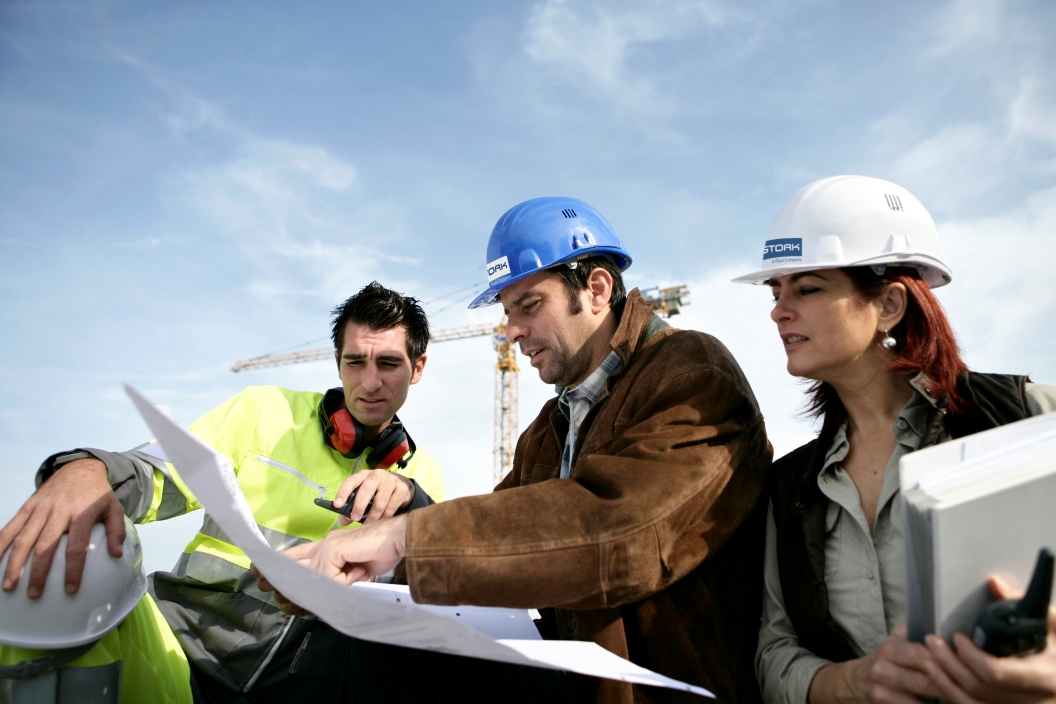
[
  {"x": 490, "y": 296},
  {"x": 934, "y": 273}
]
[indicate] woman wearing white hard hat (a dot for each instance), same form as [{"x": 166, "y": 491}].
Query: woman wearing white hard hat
[{"x": 851, "y": 262}]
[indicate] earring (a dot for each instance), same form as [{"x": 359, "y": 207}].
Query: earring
[{"x": 888, "y": 343}]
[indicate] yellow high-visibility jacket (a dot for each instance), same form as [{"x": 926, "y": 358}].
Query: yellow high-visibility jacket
[{"x": 273, "y": 441}]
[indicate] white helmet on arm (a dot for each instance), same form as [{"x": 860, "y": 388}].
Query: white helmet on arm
[
  {"x": 110, "y": 588},
  {"x": 845, "y": 221}
]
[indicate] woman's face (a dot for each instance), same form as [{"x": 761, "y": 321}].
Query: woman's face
[{"x": 827, "y": 330}]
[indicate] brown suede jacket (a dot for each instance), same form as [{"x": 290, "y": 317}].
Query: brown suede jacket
[{"x": 653, "y": 548}]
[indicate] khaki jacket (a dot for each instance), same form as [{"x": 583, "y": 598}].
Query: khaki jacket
[{"x": 653, "y": 548}]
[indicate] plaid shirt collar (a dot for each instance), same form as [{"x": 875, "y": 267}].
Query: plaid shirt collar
[{"x": 575, "y": 402}]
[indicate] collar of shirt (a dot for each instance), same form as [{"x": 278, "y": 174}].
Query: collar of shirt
[
  {"x": 909, "y": 431},
  {"x": 591, "y": 387},
  {"x": 575, "y": 402}
]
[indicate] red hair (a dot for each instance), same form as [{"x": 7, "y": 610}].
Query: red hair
[{"x": 926, "y": 343}]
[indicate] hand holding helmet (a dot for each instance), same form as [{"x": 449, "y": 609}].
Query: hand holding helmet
[
  {"x": 111, "y": 586},
  {"x": 71, "y": 502}
]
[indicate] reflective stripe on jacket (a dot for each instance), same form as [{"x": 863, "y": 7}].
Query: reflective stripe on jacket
[{"x": 272, "y": 439}]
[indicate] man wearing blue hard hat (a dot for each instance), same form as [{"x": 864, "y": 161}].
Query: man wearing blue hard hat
[{"x": 631, "y": 517}]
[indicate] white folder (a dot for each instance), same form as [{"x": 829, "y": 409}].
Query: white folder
[{"x": 973, "y": 508}]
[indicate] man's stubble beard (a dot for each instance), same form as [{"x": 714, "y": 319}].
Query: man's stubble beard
[{"x": 567, "y": 368}]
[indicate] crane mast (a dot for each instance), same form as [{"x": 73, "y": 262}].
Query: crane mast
[
  {"x": 665, "y": 301},
  {"x": 506, "y": 388}
]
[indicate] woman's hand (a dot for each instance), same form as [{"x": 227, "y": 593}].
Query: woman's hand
[
  {"x": 970, "y": 676},
  {"x": 894, "y": 672}
]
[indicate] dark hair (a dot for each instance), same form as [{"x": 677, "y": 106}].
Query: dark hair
[
  {"x": 380, "y": 308},
  {"x": 575, "y": 280},
  {"x": 926, "y": 343}
]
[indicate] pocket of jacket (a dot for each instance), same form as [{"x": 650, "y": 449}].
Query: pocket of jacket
[{"x": 282, "y": 497}]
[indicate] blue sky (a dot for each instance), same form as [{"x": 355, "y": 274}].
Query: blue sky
[{"x": 185, "y": 185}]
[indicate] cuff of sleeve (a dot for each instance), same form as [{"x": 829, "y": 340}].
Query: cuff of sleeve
[
  {"x": 49, "y": 466},
  {"x": 800, "y": 675},
  {"x": 427, "y": 577},
  {"x": 407, "y": 563},
  {"x": 419, "y": 500},
  {"x": 131, "y": 479}
]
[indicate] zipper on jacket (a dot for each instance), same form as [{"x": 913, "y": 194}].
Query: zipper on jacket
[
  {"x": 290, "y": 470},
  {"x": 271, "y": 653}
]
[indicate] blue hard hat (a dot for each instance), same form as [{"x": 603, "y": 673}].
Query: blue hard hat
[{"x": 542, "y": 232}]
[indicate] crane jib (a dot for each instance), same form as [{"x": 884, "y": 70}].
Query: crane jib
[{"x": 665, "y": 301}]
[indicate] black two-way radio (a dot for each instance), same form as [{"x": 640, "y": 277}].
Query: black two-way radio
[
  {"x": 1019, "y": 627},
  {"x": 345, "y": 510}
]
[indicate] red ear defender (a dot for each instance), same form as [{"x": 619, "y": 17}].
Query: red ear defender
[
  {"x": 349, "y": 437},
  {"x": 344, "y": 436},
  {"x": 391, "y": 447},
  {"x": 395, "y": 455},
  {"x": 340, "y": 430}
]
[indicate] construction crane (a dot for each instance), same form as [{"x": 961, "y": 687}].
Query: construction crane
[
  {"x": 506, "y": 371},
  {"x": 281, "y": 360},
  {"x": 665, "y": 301}
]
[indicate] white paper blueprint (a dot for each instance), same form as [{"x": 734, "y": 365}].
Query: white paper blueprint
[
  {"x": 497, "y": 623},
  {"x": 366, "y": 613}
]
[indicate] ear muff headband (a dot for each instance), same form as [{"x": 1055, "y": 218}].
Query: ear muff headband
[{"x": 347, "y": 435}]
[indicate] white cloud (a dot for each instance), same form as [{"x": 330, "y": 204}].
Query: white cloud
[
  {"x": 968, "y": 25},
  {"x": 1000, "y": 301},
  {"x": 1032, "y": 112},
  {"x": 571, "y": 57},
  {"x": 1002, "y": 144},
  {"x": 294, "y": 208},
  {"x": 989, "y": 182},
  {"x": 963, "y": 167},
  {"x": 269, "y": 167},
  {"x": 960, "y": 163},
  {"x": 298, "y": 212},
  {"x": 595, "y": 39}
]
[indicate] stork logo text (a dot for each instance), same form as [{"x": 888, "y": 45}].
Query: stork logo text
[
  {"x": 498, "y": 268},
  {"x": 790, "y": 247}
]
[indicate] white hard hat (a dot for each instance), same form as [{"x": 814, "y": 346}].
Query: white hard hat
[
  {"x": 110, "y": 589},
  {"x": 844, "y": 221}
]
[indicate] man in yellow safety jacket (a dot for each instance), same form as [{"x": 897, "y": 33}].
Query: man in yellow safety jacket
[{"x": 205, "y": 630}]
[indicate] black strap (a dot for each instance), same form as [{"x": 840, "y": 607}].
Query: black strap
[{"x": 56, "y": 660}]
